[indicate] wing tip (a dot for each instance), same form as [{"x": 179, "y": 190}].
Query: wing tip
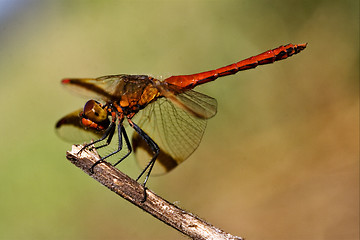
[{"x": 66, "y": 81}]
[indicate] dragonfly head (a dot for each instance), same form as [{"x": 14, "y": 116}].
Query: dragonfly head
[{"x": 95, "y": 115}]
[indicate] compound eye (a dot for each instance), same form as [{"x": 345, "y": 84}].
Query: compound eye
[{"x": 94, "y": 111}]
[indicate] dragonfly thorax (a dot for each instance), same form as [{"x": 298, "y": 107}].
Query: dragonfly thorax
[{"x": 136, "y": 95}]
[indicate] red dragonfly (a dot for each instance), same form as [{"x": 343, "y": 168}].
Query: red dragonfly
[{"x": 172, "y": 117}]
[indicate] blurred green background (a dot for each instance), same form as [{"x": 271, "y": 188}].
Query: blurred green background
[{"x": 279, "y": 161}]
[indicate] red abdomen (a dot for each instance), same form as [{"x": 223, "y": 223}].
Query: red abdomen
[{"x": 270, "y": 56}]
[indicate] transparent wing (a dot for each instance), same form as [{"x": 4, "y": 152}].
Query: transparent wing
[
  {"x": 104, "y": 88},
  {"x": 177, "y": 130}
]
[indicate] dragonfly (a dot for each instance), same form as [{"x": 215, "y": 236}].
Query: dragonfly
[{"x": 168, "y": 117}]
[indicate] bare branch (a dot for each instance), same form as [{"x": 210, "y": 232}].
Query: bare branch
[{"x": 126, "y": 187}]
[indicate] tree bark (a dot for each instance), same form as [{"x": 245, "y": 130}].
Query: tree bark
[{"x": 124, "y": 186}]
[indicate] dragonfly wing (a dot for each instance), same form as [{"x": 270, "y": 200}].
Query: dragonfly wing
[
  {"x": 174, "y": 128},
  {"x": 195, "y": 103},
  {"x": 71, "y": 130},
  {"x": 102, "y": 88}
]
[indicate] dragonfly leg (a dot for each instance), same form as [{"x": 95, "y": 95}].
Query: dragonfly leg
[
  {"x": 154, "y": 147},
  {"x": 108, "y": 134},
  {"x": 127, "y": 144},
  {"x": 121, "y": 132}
]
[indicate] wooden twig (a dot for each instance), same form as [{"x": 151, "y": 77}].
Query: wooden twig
[{"x": 126, "y": 187}]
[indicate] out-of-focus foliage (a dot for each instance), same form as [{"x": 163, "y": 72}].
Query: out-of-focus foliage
[{"x": 279, "y": 161}]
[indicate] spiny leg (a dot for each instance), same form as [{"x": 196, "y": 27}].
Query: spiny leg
[
  {"x": 127, "y": 144},
  {"x": 120, "y": 133},
  {"x": 154, "y": 147},
  {"x": 108, "y": 134}
]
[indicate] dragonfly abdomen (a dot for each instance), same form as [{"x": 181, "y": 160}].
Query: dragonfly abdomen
[{"x": 270, "y": 56}]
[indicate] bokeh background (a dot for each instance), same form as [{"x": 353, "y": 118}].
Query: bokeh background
[{"x": 279, "y": 161}]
